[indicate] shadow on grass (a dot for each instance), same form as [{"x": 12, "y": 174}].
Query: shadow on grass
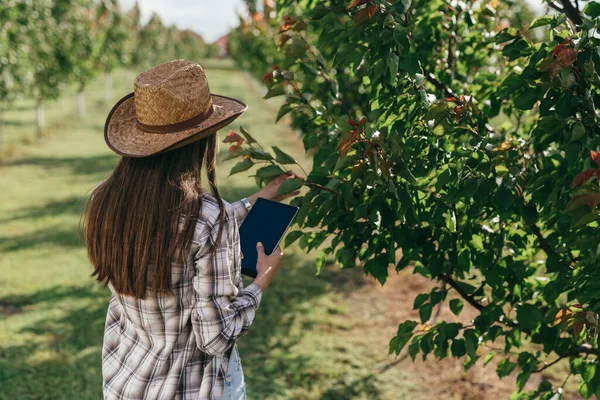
[
  {"x": 101, "y": 164},
  {"x": 70, "y": 205},
  {"x": 64, "y": 361},
  {"x": 58, "y": 235}
]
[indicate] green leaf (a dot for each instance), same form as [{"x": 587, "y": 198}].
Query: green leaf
[
  {"x": 292, "y": 237},
  {"x": 542, "y": 21},
  {"x": 233, "y": 154},
  {"x": 578, "y": 131},
  {"x": 290, "y": 185},
  {"x": 413, "y": 349},
  {"x": 275, "y": 91},
  {"x": 518, "y": 48},
  {"x": 320, "y": 261},
  {"x": 259, "y": 154},
  {"x": 270, "y": 171},
  {"x": 378, "y": 267},
  {"x": 592, "y": 9},
  {"x": 471, "y": 343},
  {"x": 247, "y": 135},
  {"x": 319, "y": 12},
  {"x": 282, "y": 157},
  {"x": 456, "y": 306},
  {"x": 402, "y": 336},
  {"x": 553, "y": 263},
  {"x": 419, "y": 300},
  {"x": 425, "y": 312},
  {"x": 241, "y": 166},
  {"x": 527, "y": 98},
  {"x": 505, "y": 35},
  {"x": 505, "y": 367},
  {"x": 283, "y": 110},
  {"x": 393, "y": 67},
  {"x": 488, "y": 357},
  {"x": 522, "y": 379},
  {"x": 529, "y": 316},
  {"x": 476, "y": 242},
  {"x": 458, "y": 348}
]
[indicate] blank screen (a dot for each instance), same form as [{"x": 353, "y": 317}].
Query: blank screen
[{"x": 266, "y": 222}]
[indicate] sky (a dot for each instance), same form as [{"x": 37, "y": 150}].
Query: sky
[{"x": 210, "y": 18}]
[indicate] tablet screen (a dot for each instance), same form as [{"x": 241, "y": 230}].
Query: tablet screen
[{"x": 266, "y": 222}]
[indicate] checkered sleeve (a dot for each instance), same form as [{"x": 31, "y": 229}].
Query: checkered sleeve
[
  {"x": 240, "y": 211},
  {"x": 222, "y": 312}
]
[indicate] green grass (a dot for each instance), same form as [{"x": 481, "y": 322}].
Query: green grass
[{"x": 306, "y": 342}]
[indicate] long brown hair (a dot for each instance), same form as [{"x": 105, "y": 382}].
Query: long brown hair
[{"x": 132, "y": 218}]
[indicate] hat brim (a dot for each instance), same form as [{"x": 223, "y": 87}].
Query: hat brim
[{"x": 125, "y": 138}]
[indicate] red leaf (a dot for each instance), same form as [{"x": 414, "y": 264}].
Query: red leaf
[
  {"x": 283, "y": 39},
  {"x": 595, "y": 157},
  {"x": 565, "y": 54},
  {"x": 583, "y": 177},
  {"x": 560, "y": 46},
  {"x": 347, "y": 144},
  {"x": 590, "y": 199},
  {"x": 352, "y": 123},
  {"x": 268, "y": 76},
  {"x": 578, "y": 327},
  {"x": 356, "y": 3},
  {"x": 563, "y": 315},
  {"x": 361, "y": 16},
  {"x": 554, "y": 69},
  {"x": 363, "y": 121},
  {"x": 233, "y": 137},
  {"x": 372, "y": 10},
  {"x": 233, "y": 148},
  {"x": 276, "y": 67},
  {"x": 451, "y": 99}
]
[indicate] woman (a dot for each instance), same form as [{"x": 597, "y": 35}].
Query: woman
[{"x": 168, "y": 251}]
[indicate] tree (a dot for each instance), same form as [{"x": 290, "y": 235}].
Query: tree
[
  {"x": 85, "y": 49},
  {"x": 48, "y": 40},
  {"x": 113, "y": 38},
  {"x": 465, "y": 150},
  {"x": 13, "y": 68}
]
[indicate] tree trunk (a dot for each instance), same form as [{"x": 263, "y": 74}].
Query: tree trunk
[
  {"x": 40, "y": 120},
  {"x": 107, "y": 87},
  {"x": 80, "y": 102}
]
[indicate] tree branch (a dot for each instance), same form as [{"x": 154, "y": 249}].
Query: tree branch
[
  {"x": 543, "y": 243},
  {"x": 583, "y": 349},
  {"x": 439, "y": 85},
  {"x": 461, "y": 291},
  {"x": 571, "y": 12}
]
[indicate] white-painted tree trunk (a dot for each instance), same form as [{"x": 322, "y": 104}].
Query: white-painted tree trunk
[
  {"x": 39, "y": 117},
  {"x": 80, "y": 102},
  {"x": 107, "y": 87}
]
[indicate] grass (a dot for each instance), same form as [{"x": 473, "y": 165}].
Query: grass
[
  {"x": 52, "y": 313},
  {"x": 315, "y": 337}
]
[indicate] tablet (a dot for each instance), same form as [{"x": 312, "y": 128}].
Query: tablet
[{"x": 266, "y": 222}]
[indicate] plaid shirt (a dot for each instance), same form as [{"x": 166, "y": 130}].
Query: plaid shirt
[{"x": 179, "y": 347}]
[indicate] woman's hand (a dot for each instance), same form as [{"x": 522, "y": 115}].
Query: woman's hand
[
  {"x": 270, "y": 191},
  {"x": 267, "y": 266}
]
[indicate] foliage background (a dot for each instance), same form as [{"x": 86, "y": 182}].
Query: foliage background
[{"x": 449, "y": 138}]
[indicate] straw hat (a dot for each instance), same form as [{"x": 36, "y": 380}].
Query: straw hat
[{"x": 171, "y": 106}]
